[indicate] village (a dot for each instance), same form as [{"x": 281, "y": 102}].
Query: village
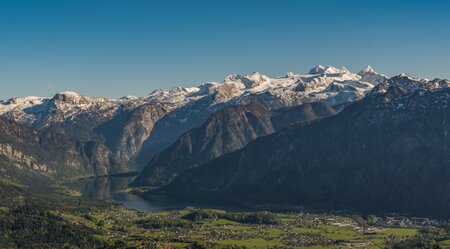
[{"x": 180, "y": 228}]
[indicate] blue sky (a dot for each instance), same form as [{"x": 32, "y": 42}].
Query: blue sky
[{"x": 114, "y": 48}]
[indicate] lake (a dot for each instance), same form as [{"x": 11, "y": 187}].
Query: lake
[{"x": 109, "y": 188}]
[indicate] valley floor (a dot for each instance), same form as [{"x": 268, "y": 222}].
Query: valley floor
[
  {"x": 216, "y": 229},
  {"x": 61, "y": 219}
]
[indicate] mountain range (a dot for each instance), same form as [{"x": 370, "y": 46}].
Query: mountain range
[
  {"x": 136, "y": 129},
  {"x": 225, "y": 131},
  {"x": 387, "y": 152},
  {"x": 328, "y": 138}
]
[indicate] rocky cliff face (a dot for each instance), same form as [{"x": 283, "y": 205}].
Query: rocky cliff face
[
  {"x": 225, "y": 131},
  {"x": 169, "y": 128},
  {"x": 23, "y": 160},
  {"x": 51, "y": 154},
  {"x": 126, "y": 133},
  {"x": 385, "y": 153}
]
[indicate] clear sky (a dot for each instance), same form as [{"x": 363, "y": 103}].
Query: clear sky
[{"x": 130, "y": 47}]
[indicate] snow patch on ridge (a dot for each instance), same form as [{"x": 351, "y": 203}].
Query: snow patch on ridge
[{"x": 328, "y": 84}]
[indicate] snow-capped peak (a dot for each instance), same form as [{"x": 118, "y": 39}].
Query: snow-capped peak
[
  {"x": 231, "y": 78},
  {"x": 69, "y": 93},
  {"x": 290, "y": 75},
  {"x": 129, "y": 97},
  {"x": 247, "y": 81},
  {"x": 254, "y": 74},
  {"x": 71, "y": 98},
  {"x": 257, "y": 77},
  {"x": 403, "y": 75},
  {"x": 177, "y": 89},
  {"x": 344, "y": 70},
  {"x": 407, "y": 82},
  {"x": 319, "y": 69},
  {"x": 332, "y": 85},
  {"x": 19, "y": 103},
  {"x": 332, "y": 70},
  {"x": 367, "y": 70},
  {"x": 368, "y": 74}
]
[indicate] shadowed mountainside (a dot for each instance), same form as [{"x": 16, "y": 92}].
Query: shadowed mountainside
[
  {"x": 388, "y": 152},
  {"x": 225, "y": 131}
]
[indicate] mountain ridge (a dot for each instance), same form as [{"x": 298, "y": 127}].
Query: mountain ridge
[
  {"x": 384, "y": 153},
  {"x": 225, "y": 131},
  {"x": 184, "y": 108}
]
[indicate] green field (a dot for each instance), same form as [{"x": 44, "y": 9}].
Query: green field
[
  {"x": 46, "y": 221},
  {"x": 174, "y": 229}
]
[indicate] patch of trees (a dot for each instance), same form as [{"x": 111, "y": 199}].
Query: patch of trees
[
  {"x": 31, "y": 227},
  {"x": 427, "y": 239},
  {"x": 204, "y": 245},
  {"x": 199, "y": 215},
  {"x": 260, "y": 218},
  {"x": 163, "y": 223},
  {"x": 263, "y": 217}
]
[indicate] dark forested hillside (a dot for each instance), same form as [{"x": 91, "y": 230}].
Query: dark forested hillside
[
  {"x": 24, "y": 151},
  {"x": 225, "y": 131},
  {"x": 388, "y": 152}
]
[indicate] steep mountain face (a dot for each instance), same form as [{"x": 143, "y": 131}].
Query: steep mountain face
[
  {"x": 136, "y": 129},
  {"x": 170, "y": 127},
  {"x": 225, "y": 131},
  {"x": 388, "y": 152},
  {"x": 27, "y": 152},
  {"x": 126, "y": 132},
  {"x": 67, "y": 113},
  {"x": 369, "y": 75},
  {"x": 408, "y": 84}
]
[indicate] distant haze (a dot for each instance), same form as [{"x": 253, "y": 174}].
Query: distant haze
[{"x": 115, "y": 48}]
